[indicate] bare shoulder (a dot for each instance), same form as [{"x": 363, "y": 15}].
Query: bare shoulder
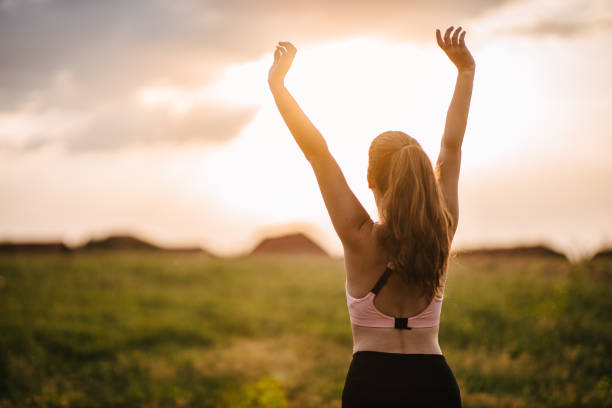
[
  {"x": 366, "y": 261},
  {"x": 364, "y": 244}
]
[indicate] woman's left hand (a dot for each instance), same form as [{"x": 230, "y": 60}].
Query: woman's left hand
[{"x": 283, "y": 57}]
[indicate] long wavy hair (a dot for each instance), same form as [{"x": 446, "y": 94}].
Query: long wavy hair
[{"x": 416, "y": 225}]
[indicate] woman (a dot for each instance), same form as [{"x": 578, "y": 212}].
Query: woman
[{"x": 396, "y": 268}]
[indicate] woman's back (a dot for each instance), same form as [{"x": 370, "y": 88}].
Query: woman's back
[{"x": 395, "y": 298}]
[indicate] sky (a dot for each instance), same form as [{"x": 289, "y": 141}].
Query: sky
[{"x": 154, "y": 117}]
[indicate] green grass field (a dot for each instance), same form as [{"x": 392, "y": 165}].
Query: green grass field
[{"x": 164, "y": 330}]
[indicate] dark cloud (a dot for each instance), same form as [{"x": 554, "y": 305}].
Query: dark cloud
[
  {"x": 112, "y": 44},
  {"x": 559, "y": 28},
  {"x": 108, "y": 46},
  {"x": 113, "y": 130},
  {"x": 125, "y": 126},
  {"x": 80, "y": 55}
]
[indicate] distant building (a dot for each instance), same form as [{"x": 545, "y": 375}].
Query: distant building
[{"x": 297, "y": 243}]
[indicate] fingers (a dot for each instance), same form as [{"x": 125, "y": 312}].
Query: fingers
[
  {"x": 286, "y": 44},
  {"x": 439, "y": 38},
  {"x": 284, "y": 49},
  {"x": 455, "y": 38},
  {"x": 447, "y": 40},
  {"x": 452, "y": 37},
  {"x": 290, "y": 48}
]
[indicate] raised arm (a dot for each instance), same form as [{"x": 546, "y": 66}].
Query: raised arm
[
  {"x": 304, "y": 132},
  {"x": 449, "y": 160},
  {"x": 348, "y": 216}
]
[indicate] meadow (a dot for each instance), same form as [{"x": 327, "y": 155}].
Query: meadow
[{"x": 148, "y": 329}]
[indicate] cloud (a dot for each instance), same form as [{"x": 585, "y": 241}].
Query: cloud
[
  {"x": 540, "y": 18},
  {"x": 111, "y": 45},
  {"x": 126, "y": 125},
  {"x": 558, "y": 28},
  {"x": 108, "y": 47},
  {"x": 90, "y": 56},
  {"x": 119, "y": 129}
]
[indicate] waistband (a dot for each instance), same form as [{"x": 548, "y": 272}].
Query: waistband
[{"x": 414, "y": 356}]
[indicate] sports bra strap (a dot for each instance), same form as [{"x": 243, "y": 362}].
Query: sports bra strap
[{"x": 381, "y": 281}]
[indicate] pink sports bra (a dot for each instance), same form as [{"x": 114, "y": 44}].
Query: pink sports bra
[{"x": 363, "y": 312}]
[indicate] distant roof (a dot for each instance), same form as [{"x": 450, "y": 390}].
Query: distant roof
[{"x": 296, "y": 243}]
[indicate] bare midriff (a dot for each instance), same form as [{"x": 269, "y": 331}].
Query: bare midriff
[{"x": 390, "y": 340}]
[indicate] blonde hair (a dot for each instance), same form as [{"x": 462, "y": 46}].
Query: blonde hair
[{"x": 416, "y": 223}]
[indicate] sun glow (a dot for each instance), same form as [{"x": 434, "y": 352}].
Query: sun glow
[{"x": 352, "y": 90}]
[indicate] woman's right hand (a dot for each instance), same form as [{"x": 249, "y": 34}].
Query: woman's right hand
[
  {"x": 283, "y": 57},
  {"x": 454, "y": 47}
]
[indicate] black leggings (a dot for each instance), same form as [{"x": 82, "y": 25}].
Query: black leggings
[{"x": 377, "y": 379}]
